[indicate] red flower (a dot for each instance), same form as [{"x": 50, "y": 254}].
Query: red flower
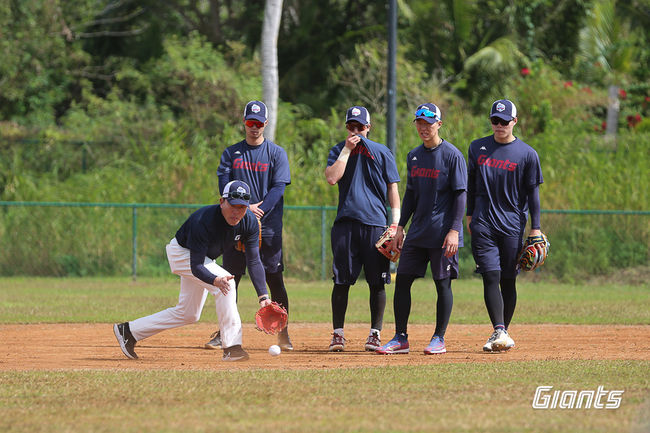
[
  {"x": 622, "y": 93},
  {"x": 647, "y": 99},
  {"x": 568, "y": 84},
  {"x": 525, "y": 72},
  {"x": 586, "y": 89}
]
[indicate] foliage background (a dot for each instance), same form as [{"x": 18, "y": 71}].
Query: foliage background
[{"x": 125, "y": 101}]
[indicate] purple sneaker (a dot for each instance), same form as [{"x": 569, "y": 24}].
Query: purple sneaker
[
  {"x": 399, "y": 344},
  {"x": 437, "y": 345}
]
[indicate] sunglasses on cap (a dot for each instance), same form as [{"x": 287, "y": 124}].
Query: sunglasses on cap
[
  {"x": 426, "y": 113},
  {"x": 255, "y": 123},
  {"x": 499, "y": 121},
  {"x": 237, "y": 194}
]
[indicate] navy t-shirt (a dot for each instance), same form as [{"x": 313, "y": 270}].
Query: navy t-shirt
[
  {"x": 261, "y": 167},
  {"x": 364, "y": 185},
  {"x": 434, "y": 175},
  {"x": 206, "y": 233},
  {"x": 499, "y": 178}
]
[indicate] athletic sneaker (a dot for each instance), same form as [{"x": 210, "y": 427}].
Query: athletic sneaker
[
  {"x": 399, "y": 344},
  {"x": 235, "y": 353},
  {"x": 497, "y": 341},
  {"x": 215, "y": 341},
  {"x": 125, "y": 338},
  {"x": 511, "y": 343},
  {"x": 338, "y": 343},
  {"x": 373, "y": 342},
  {"x": 284, "y": 341},
  {"x": 436, "y": 345}
]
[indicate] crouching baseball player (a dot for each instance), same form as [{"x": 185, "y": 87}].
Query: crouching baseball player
[{"x": 200, "y": 240}]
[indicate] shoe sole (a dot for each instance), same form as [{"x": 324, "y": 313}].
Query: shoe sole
[
  {"x": 336, "y": 349},
  {"x": 121, "y": 341},
  {"x": 372, "y": 348},
  {"x": 209, "y": 346},
  {"x": 235, "y": 359},
  {"x": 392, "y": 352},
  {"x": 435, "y": 352},
  {"x": 286, "y": 347}
]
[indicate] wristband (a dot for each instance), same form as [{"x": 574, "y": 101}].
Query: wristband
[
  {"x": 262, "y": 298},
  {"x": 396, "y": 215},
  {"x": 344, "y": 155}
]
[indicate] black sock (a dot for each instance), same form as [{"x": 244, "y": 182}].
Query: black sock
[
  {"x": 509, "y": 293},
  {"x": 339, "y": 304},
  {"x": 402, "y": 301},
  {"x": 492, "y": 296},
  {"x": 444, "y": 305},
  {"x": 377, "y": 306},
  {"x": 278, "y": 290}
]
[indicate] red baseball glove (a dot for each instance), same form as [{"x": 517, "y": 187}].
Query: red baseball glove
[
  {"x": 383, "y": 244},
  {"x": 271, "y": 319}
]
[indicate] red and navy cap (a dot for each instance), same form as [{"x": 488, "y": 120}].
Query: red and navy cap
[
  {"x": 256, "y": 110},
  {"x": 357, "y": 114},
  {"x": 503, "y": 109}
]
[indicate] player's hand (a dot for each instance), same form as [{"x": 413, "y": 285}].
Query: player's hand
[
  {"x": 469, "y": 221},
  {"x": 450, "y": 245},
  {"x": 535, "y": 232},
  {"x": 221, "y": 283},
  {"x": 352, "y": 140},
  {"x": 265, "y": 302},
  {"x": 398, "y": 241},
  {"x": 255, "y": 208}
]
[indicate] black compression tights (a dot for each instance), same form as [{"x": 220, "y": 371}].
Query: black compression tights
[
  {"x": 340, "y": 305},
  {"x": 500, "y": 303},
  {"x": 402, "y": 303}
]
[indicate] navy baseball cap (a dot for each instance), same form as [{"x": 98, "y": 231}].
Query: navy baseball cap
[
  {"x": 237, "y": 192},
  {"x": 429, "y": 112},
  {"x": 357, "y": 114},
  {"x": 256, "y": 110},
  {"x": 503, "y": 109}
]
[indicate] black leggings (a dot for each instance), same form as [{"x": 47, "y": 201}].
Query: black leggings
[
  {"x": 340, "y": 305},
  {"x": 500, "y": 303},
  {"x": 402, "y": 303}
]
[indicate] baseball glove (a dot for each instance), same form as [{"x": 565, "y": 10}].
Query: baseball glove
[
  {"x": 383, "y": 244},
  {"x": 271, "y": 319},
  {"x": 534, "y": 252},
  {"x": 239, "y": 246}
]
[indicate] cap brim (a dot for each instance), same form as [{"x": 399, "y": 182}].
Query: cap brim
[
  {"x": 237, "y": 201},
  {"x": 255, "y": 117},
  {"x": 505, "y": 117},
  {"x": 357, "y": 119}
]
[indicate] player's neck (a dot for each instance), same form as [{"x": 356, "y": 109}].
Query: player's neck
[
  {"x": 433, "y": 142},
  {"x": 255, "y": 141}
]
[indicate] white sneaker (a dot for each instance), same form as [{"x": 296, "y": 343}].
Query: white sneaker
[
  {"x": 497, "y": 341},
  {"x": 511, "y": 343}
]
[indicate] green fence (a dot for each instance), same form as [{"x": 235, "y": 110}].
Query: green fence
[{"x": 68, "y": 239}]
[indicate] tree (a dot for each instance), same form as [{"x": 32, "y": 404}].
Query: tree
[{"x": 269, "y": 54}]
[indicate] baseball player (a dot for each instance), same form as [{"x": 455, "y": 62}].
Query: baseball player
[
  {"x": 435, "y": 196},
  {"x": 265, "y": 167},
  {"x": 205, "y": 235},
  {"x": 366, "y": 174},
  {"x": 504, "y": 175}
]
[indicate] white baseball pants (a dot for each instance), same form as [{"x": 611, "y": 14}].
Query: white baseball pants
[{"x": 191, "y": 300}]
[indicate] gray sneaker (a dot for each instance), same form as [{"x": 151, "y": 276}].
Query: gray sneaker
[
  {"x": 125, "y": 338},
  {"x": 284, "y": 341},
  {"x": 235, "y": 353},
  {"x": 215, "y": 341},
  {"x": 497, "y": 341}
]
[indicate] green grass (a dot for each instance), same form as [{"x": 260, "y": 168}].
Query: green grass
[
  {"x": 446, "y": 397},
  {"x": 100, "y": 300}
]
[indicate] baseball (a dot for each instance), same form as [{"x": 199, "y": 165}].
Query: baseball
[{"x": 274, "y": 350}]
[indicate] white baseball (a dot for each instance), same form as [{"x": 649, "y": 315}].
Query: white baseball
[{"x": 274, "y": 350}]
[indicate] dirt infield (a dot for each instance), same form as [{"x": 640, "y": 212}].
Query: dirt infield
[{"x": 93, "y": 346}]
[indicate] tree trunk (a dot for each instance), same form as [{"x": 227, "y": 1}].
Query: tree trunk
[{"x": 270, "y": 29}]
